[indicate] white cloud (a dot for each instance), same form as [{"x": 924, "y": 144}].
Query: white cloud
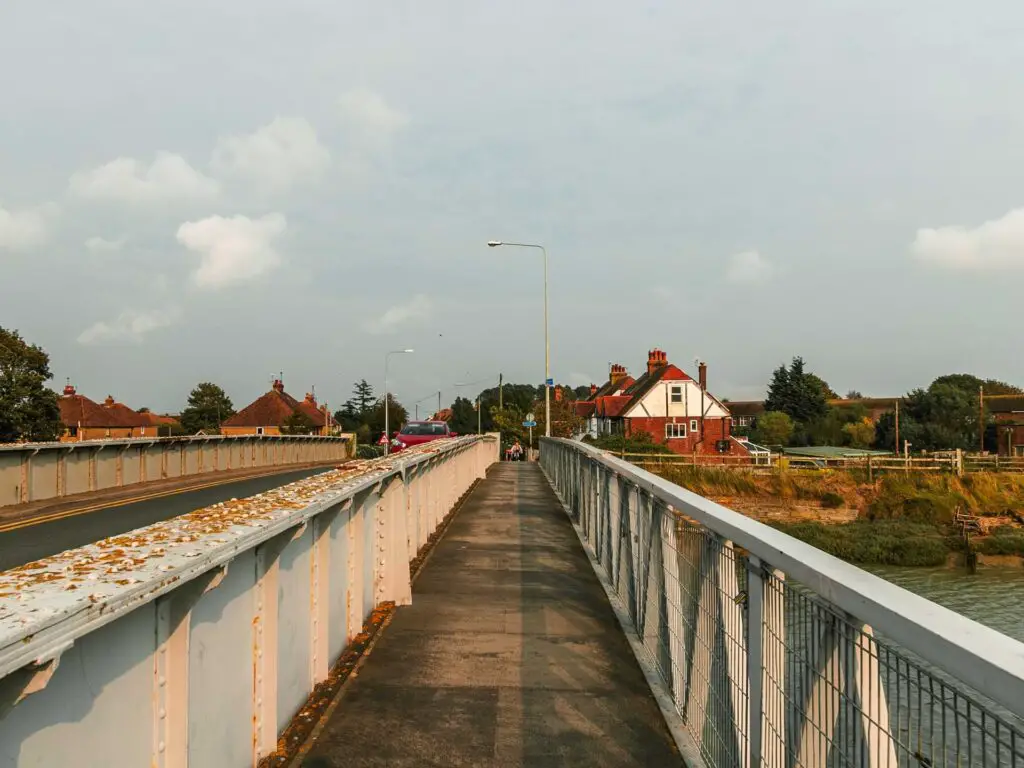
[
  {"x": 371, "y": 118},
  {"x": 233, "y": 250},
  {"x": 994, "y": 245},
  {"x": 748, "y": 267},
  {"x": 27, "y": 228},
  {"x": 276, "y": 156},
  {"x": 131, "y": 326},
  {"x": 98, "y": 245},
  {"x": 418, "y": 307},
  {"x": 168, "y": 178}
]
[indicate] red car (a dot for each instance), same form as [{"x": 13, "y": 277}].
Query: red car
[{"x": 419, "y": 432}]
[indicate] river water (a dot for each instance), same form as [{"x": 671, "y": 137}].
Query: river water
[{"x": 992, "y": 596}]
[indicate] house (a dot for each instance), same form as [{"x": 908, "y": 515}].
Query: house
[
  {"x": 667, "y": 404},
  {"x": 85, "y": 419},
  {"x": 605, "y": 402},
  {"x": 1008, "y": 413},
  {"x": 137, "y": 424},
  {"x": 274, "y": 412}
]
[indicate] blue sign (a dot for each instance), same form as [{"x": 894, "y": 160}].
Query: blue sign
[
  {"x": 550, "y": 382},
  {"x": 529, "y": 423}
]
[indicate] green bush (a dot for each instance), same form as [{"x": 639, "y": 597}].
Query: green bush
[
  {"x": 1004, "y": 540},
  {"x": 831, "y": 500},
  {"x": 884, "y": 542}
]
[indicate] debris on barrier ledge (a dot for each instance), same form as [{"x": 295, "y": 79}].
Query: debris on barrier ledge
[
  {"x": 323, "y": 694},
  {"x": 130, "y": 567}
]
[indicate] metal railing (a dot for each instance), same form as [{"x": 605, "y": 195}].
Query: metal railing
[
  {"x": 770, "y": 652},
  {"x": 194, "y": 641}
]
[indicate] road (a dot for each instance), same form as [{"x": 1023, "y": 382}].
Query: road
[{"x": 39, "y": 540}]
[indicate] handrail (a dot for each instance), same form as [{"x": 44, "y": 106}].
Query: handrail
[{"x": 981, "y": 657}]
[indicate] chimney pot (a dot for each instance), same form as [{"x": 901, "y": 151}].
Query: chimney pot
[
  {"x": 278, "y": 385},
  {"x": 656, "y": 359},
  {"x": 69, "y": 390},
  {"x": 109, "y": 401},
  {"x": 702, "y": 373}
]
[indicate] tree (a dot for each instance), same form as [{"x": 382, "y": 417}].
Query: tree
[
  {"x": 820, "y": 383},
  {"x": 860, "y": 434},
  {"x": 397, "y": 416},
  {"x": 800, "y": 395},
  {"x": 28, "y": 409},
  {"x": 298, "y": 424},
  {"x": 208, "y": 407},
  {"x": 362, "y": 397},
  {"x": 970, "y": 383},
  {"x": 355, "y": 411},
  {"x": 773, "y": 428},
  {"x": 463, "y": 418},
  {"x": 854, "y": 394},
  {"x": 564, "y": 421},
  {"x": 943, "y": 417}
]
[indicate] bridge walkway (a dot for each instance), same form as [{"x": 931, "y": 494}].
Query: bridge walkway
[{"x": 510, "y": 654}]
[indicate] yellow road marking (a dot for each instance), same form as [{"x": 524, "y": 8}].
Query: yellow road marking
[{"x": 54, "y": 516}]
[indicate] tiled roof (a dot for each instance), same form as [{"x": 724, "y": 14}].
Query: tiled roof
[
  {"x": 124, "y": 416},
  {"x": 273, "y": 410},
  {"x": 585, "y": 408},
  {"x": 611, "y": 387},
  {"x": 1005, "y": 403},
  {"x": 614, "y": 405},
  {"x": 745, "y": 407},
  {"x": 445, "y": 414},
  {"x": 79, "y": 411}
]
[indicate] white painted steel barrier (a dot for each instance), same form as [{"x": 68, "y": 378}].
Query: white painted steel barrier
[
  {"x": 194, "y": 641},
  {"x": 39, "y": 471},
  {"x": 770, "y": 652}
]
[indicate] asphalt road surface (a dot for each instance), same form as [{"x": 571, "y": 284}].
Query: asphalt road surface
[{"x": 24, "y": 545}]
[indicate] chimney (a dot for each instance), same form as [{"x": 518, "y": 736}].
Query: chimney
[
  {"x": 278, "y": 385},
  {"x": 618, "y": 373},
  {"x": 702, "y": 376},
  {"x": 109, "y": 401},
  {"x": 558, "y": 394},
  {"x": 656, "y": 359},
  {"x": 310, "y": 399},
  {"x": 69, "y": 390},
  {"x": 593, "y": 389}
]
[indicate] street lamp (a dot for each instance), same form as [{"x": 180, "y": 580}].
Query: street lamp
[
  {"x": 387, "y": 425},
  {"x": 547, "y": 345}
]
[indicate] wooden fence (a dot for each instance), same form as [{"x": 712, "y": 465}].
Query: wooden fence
[{"x": 954, "y": 462}]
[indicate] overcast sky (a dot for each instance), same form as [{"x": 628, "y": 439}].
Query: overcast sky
[{"x": 219, "y": 191}]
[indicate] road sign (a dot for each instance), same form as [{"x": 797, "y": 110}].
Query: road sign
[
  {"x": 550, "y": 382},
  {"x": 530, "y": 424},
  {"x": 530, "y": 417}
]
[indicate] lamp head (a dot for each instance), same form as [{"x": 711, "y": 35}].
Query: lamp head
[{"x": 493, "y": 243}]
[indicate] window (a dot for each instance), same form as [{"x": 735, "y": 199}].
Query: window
[
  {"x": 694, "y": 426},
  {"x": 675, "y": 431},
  {"x": 744, "y": 421},
  {"x": 259, "y": 430},
  {"x": 677, "y": 394}
]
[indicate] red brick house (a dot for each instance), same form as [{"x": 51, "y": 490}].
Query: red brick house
[
  {"x": 666, "y": 403},
  {"x": 269, "y": 413},
  {"x": 1008, "y": 413}
]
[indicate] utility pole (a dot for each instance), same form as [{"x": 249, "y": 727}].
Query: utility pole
[
  {"x": 981, "y": 419},
  {"x": 897, "y": 427},
  {"x": 439, "y": 402},
  {"x": 501, "y": 392}
]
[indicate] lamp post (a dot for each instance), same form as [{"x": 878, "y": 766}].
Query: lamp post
[
  {"x": 387, "y": 425},
  {"x": 547, "y": 345}
]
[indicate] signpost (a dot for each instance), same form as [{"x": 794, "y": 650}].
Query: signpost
[{"x": 531, "y": 424}]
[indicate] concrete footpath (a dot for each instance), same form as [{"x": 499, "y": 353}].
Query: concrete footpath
[{"x": 510, "y": 654}]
